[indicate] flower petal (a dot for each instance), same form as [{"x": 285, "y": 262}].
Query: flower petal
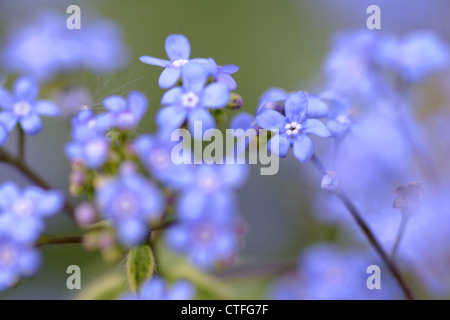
[
  {"x": 47, "y": 108},
  {"x": 154, "y": 61},
  {"x": 26, "y": 88},
  {"x": 316, "y": 127},
  {"x": 177, "y": 47},
  {"x": 6, "y": 100},
  {"x": 229, "y": 68},
  {"x": 170, "y": 118},
  {"x": 172, "y": 96},
  {"x": 137, "y": 103},
  {"x": 242, "y": 120},
  {"x": 8, "y": 193},
  {"x": 200, "y": 118},
  {"x": 8, "y": 120},
  {"x": 296, "y": 106},
  {"x": 31, "y": 124},
  {"x": 169, "y": 77},
  {"x": 279, "y": 145},
  {"x": 303, "y": 148},
  {"x": 115, "y": 104},
  {"x": 3, "y": 134},
  {"x": 271, "y": 120},
  {"x": 316, "y": 108},
  {"x": 194, "y": 77},
  {"x": 216, "y": 95},
  {"x": 131, "y": 232}
]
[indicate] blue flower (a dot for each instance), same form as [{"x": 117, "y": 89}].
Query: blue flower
[
  {"x": 28, "y": 208},
  {"x": 156, "y": 289},
  {"x": 178, "y": 50},
  {"x": 22, "y": 107},
  {"x": 192, "y": 100},
  {"x": 210, "y": 186},
  {"x": 131, "y": 202},
  {"x": 17, "y": 258},
  {"x": 221, "y": 74},
  {"x": 3, "y": 134},
  {"x": 293, "y": 129},
  {"x": 126, "y": 114},
  {"x": 44, "y": 49},
  {"x": 415, "y": 57},
  {"x": 90, "y": 144},
  {"x": 155, "y": 153},
  {"x": 207, "y": 239}
]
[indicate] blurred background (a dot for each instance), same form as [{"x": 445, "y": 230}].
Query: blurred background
[{"x": 279, "y": 43}]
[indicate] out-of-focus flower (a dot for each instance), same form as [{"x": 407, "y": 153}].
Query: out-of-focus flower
[
  {"x": 44, "y": 47},
  {"x": 126, "y": 114},
  {"x": 156, "y": 289},
  {"x": 293, "y": 129},
  {"x": 131, "y": 202},
  {"x": 191, "y": 101},
  {"x": 24, "y": 108}
]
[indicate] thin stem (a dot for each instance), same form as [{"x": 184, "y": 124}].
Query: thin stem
[
  {"x": 370, "y": 235},
  {"x": 21, "y": 145},
  {"x": 57, "y": 240},
  {"x": 401, "y": 230},
  {"x": 32, "y": 176}
]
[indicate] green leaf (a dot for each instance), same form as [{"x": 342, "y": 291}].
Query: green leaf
[{"x": 140, "y": 266}]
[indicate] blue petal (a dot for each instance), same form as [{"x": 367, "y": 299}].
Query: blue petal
[
  {"x": 131, "y": 232},
  {"x": 296, "y": 106},
  {"x": 314, "y": 126},
  {"x": 216, "y": 95},
  {"x": 177, "y": 47},
  {"x": 200, "y": 117},
  {"x": 271, "y": 95},
  {"x": 227, "y": 79},
  {"x": 177, "y": 237},
  {"x": 271, "y": 120},
  {"x": 47, "y": 108},
  {"x": 242, "y": 120},
  {"x": 26, "y": 88},
  {"x": 74, "y": 151},
  {"x": 8, "y": 119},
  {"x": 172, "y": 96},
  {"x": 303, "y": 148},
  {"x": 115, "y": 104},
  {"x": 137, "y": 103},
  {"x": 190, "y": 206},
  {"x": 46, "y": 202},
  {"x": 194, "y": 77},
  {"x": 229, "y": 68},
  {"x": 279, "y": 145},
  {"x": 6, "y": 100},
  {"x": 29, "y": 262},
  {"x": 3, "y": 134},
  {"x": 31, "y": 124},
  {"x": 169, "y": 77},
  {"x": 155, "y": 62},
  {"x": 337, "y": 128},
  {"x": 170, "y": 118},
  {"x": 234, "y": 175},
  {"x": 103, "y": 122},
  {"x": 181, "y": 290},
  {"x": 316, "y": 108},
  {"x": 9, "y": 192}
]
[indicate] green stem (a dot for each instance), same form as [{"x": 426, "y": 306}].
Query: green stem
[
  {"x": 392, "y": 266},
  {"x": 56, "y": 240}
]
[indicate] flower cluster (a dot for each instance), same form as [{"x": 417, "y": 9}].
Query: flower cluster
[
  {"x": 156, "y": 289},
  {"x": 22, "y": 214}
]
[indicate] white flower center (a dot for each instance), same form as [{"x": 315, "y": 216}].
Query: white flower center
[
  {"x": 204, "y": 234},
  {"x": 159, "y": 158},
  {"x": 22, "y": 108},
  {"x": 8, "y": 256},
  {"x": 189, "y": 100},
  {"x": 343, "y": 119},
  {"x": 208, "y": 183},
  {"x": 179, "y": 63},
  {"x": 23, "y": 207},
  {"x": 125, "y": 120},
  {"x": 95, "y": 147},
  {"x": 126, "y": 204},
  {"x": 293, "y": 128}
]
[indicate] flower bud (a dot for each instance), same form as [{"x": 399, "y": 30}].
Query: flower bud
[
  {"x": 85, "y": 214},
  {"x": 235, "y": 101},
  {"x": 331, "y": 182}
]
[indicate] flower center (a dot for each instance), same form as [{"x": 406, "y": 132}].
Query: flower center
[
  {"x": 344, "y": 119},
  {"x": 125, "y": 120},
  {"x": 179, "y": 63},
  {"x": 208, "y": 183},
  {"x": 159, "y": 158},
  {"x": 95, "y": 147},
  {"x": 8, "y": 255},
  {"x": 293, "y": 128},
  {"x": 23, "y": 207},
  {"x": 126, "y": 204},
  {"x": 22, "y": 108},
  {"x": 204, "y": 234},
  {"x": 189, "y": 100}
]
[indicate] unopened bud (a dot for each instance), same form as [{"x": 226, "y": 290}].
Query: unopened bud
[
  {"x": 235, "y": 101},
  {"x": 85, "y": 214},
  {"x": 331, "y": 182}
]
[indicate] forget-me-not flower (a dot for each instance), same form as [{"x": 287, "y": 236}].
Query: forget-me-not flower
[
  {"x": 293, "y": 129},
  {"x": 156, "y": 289}
]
